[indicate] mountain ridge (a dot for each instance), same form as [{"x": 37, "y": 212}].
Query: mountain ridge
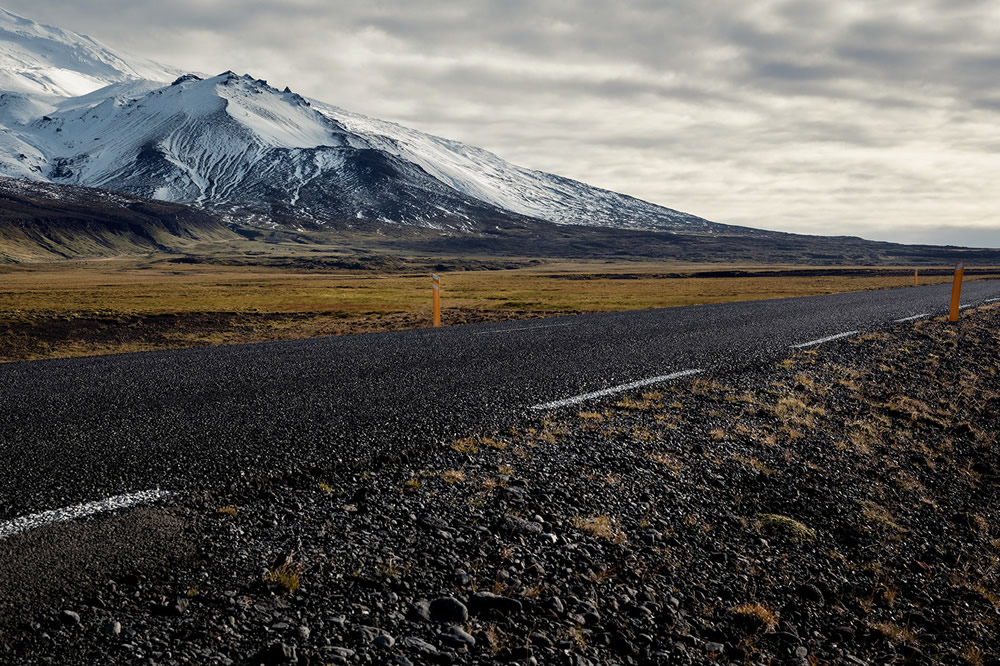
[{"x": 256, "y": 155}]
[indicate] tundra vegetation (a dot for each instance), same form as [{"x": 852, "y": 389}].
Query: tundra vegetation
[{"x": 80, "y": 308}]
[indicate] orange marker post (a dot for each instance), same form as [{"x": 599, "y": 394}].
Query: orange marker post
[
  {"x": 956, "y": 292},
  {"x": 436, "y": 284},
  {"x": 914, "y": 277}
]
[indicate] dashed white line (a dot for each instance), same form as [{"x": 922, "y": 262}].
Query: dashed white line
[
  {"x": 36, "y": 520},
  {"x": 615, "y": 389},
  {"x": 914, "y": 317},
  {"x": 523, "y": 328},
  {"x": 991, "y": 300},
  {"x": 965, "y": 307},
  {"x": 826, "y": 339}
]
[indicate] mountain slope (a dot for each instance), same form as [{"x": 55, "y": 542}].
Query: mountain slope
[
  {"x": 79, "y": 113},
  {"x": 481, "y": 174},
  {"x": 42, "y": 222}
]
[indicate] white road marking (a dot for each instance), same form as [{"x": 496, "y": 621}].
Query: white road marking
[
  {"x": 965, "y": 307},
  {"x": 524, "y": 328},
  {"x": 919, "y": 316},
  {"x": 615, "y": 389},
  {"x": 826, "y": 339},
  {"x": 991, "y": 300},
  {"x": 36, "y": 520}
]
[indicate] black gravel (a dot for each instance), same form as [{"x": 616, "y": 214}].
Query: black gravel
[{"x": 838, "y": 505}]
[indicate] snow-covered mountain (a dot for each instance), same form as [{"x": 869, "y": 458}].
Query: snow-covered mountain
[{"x": 73, "y": 111}]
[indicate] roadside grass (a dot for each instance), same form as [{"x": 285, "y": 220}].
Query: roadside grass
[{"x": 79, "y": 308}]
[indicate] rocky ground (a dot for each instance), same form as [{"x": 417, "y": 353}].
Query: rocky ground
[{"x": 840, "y": 507}]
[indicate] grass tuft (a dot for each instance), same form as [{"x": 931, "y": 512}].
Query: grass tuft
[
  {"x": 790, "y": 528},
  {"x": 453, "y": 476},
  {"x": 756, "y": 617},
  {"x": 601, "y": 526},
  {"x": 895, "y": 633},
  {"x": 286, "y": 576}
]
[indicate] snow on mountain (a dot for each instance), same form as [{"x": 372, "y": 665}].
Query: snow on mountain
[
  {"x": 41, "y": 59},
  {"x": 239, "y": 147},
  {"x": 73, "y": 111},
  {"x": 483, "y": 175}
]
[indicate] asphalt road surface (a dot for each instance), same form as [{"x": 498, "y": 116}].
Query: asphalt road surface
[{"x": 81, "y": 430}]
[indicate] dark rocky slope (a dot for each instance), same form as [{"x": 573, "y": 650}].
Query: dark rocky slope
[{"x": 43, "y": 222}]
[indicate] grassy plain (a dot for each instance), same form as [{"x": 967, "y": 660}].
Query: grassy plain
[{"x": 79, "y": 308}]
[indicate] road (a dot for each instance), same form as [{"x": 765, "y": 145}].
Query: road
[{"x": 81, "y": 430}]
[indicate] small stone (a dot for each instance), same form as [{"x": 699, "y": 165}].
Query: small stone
[
  {"x": 419, "y": 611},
  {"x": 111, "y": 628},
  {"x": 549, "y": 538},
  {"x": 421, "y": 646},
  {"x": 458, "y": 638},
  {"x": 483, "y": 602},
  {"x": 277, "y": 653},
  {"x": 714, "y": 648},
  {"x": 521, "y": 654},
  {"x": 447, "y": 610},
  {"x": 69, "y": 618},
  {"x": 802, "y": 652},
  {"x": 367, "y": 634},
  {"x": 384, "y": 641},
  {"x": 304, "y": 632},
  {"x": 809, "y": 592}
]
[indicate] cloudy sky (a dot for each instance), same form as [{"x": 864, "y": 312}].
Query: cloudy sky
[{"x": 877, "y": 119}]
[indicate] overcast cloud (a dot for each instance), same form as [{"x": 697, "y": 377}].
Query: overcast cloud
[{"x": 847, "y": 117}]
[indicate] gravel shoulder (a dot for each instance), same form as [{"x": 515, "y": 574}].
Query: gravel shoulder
[{"x": 838, "y": 507}]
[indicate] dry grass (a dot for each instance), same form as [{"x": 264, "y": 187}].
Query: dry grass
[
  {"x": 973, "y": 655},
  {"x": 601, "y": 526},
  {"x": 895, "y": 633},
  {"x": 877, "y": 515},
  {"x": 286, "y": 576},
  {"x": 790, "y": 528},
  {"x": 753, "y": 464},
  {"x": 267, "y": 303},
  {"x": 466, "y": 445},
  {"x": 756, "y": 616},
  {"x": 670, "y": 462},
  {"x": 453, "y": 476}
]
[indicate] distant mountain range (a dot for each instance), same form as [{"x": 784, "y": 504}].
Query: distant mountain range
[{"x": 75, "y": 113}]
